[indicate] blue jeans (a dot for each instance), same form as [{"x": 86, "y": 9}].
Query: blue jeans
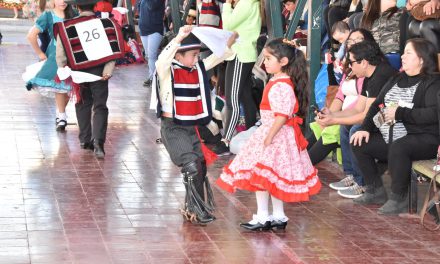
[
  {"x": 151, "y": 45},
  {"x": 349, "y": 162}
]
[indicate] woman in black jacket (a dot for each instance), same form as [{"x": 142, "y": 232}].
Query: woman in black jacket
[{"x": 406, "y": 114}]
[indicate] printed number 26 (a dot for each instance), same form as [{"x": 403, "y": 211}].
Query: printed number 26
[{"x": 94, "y": 35}]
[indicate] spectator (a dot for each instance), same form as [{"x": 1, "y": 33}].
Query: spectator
[
  {"x": 151, "y": 13},
  {"x": 352, "y": 112},
  {"x": 409, "y": 130},
  {"x": 354, "y": 20},
  {"x": 289, "y": 9},
  {"x": 340, "y": 33},
  {"x": 336, "y": 11},
  {"x": 382, "y": 18},
  {"x": 246, "y": 19},
  {"x": 429, "y": 28}
]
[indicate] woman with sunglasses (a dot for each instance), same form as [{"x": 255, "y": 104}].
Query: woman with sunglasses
[{"x": 401, "y": 126}]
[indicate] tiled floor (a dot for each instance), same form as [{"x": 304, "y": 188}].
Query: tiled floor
[{"x": 58, "y": 204}]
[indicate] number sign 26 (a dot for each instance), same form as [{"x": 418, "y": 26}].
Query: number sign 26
[
  {"x": 93, "y": 39},
  {"x": 93, "y": 34}
]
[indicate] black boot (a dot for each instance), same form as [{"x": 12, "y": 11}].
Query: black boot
[
  {"x": 196, "y": 209},
  {"x": 398, "y": 203},
  {"x": 372, "y": 195}
]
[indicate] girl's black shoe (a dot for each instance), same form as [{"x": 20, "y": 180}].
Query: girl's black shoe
[
  {"x": 257, "y": 226},
  {"x": 278, "y": 224}
]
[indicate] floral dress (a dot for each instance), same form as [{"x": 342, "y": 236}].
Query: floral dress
[
  {"x": 44, "y": 81},
  {"x": 283, "y": 168}
]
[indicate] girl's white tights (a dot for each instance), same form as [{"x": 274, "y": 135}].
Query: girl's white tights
[
  {"x": 263, "y": 207},
  {"x": 278, "y": 209}
]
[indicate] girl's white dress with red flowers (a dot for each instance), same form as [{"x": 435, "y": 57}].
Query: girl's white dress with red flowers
[{"x": 283, "y": 168}]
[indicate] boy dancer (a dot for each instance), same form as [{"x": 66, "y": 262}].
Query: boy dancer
[
  {"x": 183, "y": 91},
  {"x": 91, "y": 45}
]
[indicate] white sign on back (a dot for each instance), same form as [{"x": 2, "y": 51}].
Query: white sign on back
[{"x": 93, "y": 39}]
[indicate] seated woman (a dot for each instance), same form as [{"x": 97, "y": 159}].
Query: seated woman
[
  {"x": 405, "y": 112},
  {"x": 382, "y": 18}
]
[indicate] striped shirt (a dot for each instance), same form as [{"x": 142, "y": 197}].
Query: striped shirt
[{"x": 401, "y": 97}]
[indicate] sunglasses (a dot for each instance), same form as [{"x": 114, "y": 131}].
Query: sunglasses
[{"x": 351, "y": 62}]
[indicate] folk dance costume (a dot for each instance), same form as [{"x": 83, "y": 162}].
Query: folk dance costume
[
  {"x": 91, "y": 51},
  {"x": 283, "y": 168},
  {"x": 44, "y": 80},
  {"x": 183, "y": 103}
]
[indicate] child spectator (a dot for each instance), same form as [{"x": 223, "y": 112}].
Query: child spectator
[{"x": 340, "y": 33}]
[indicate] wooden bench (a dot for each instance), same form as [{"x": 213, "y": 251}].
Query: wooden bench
[{"x": 422, "y": 168}]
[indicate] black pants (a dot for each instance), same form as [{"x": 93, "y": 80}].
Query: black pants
[
  {"x": 318, "y": 151},
  {"x": 428, "y": 29},
  {"x": 182, "y": 143},
  {"x": 238, "y": 89},
  {"x": 93, "y": 96},
  {"x": 400, "y": 154}
]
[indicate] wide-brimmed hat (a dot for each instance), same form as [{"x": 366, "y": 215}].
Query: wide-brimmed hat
[
  {"x": 191, "y": 42},
  {"x": 81, "y": 2}
]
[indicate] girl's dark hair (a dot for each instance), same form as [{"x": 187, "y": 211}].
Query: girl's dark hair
[
  {"x": 296, "y": 68},
  {"x": 372, "y": 13},
  {"x": 69, "y": 12},
  {"x": 367, "y": 37},
  {"x": 427, "y": 52}
]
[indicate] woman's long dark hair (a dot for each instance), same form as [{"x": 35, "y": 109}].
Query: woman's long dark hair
[
  {"x": 296, "y": 68},
  {"x": 372, "y": 13},
  {"x": 427, "y": 52}
]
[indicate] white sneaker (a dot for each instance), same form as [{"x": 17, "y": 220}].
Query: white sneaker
[
  {"x": 343, "y": 184},
  {"x": 352, "y": 192}
]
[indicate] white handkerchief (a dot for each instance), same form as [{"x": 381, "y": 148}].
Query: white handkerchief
[
  {"x": 77, "y": 76},
  {"x": 32, "y": 70},
  {"x": 215, "y": 39}
]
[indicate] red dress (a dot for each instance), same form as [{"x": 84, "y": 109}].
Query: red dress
[{"x": 283, "y": 168}]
